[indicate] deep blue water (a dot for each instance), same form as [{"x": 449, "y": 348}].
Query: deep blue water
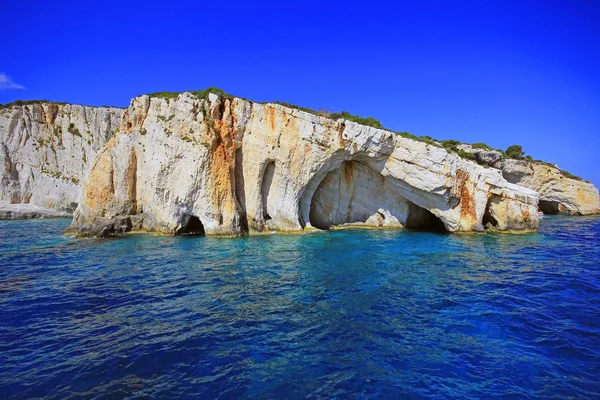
[{"x": 346, "y": 314}]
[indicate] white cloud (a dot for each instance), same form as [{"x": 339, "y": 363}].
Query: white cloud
[{"x": 7, "y": 83}]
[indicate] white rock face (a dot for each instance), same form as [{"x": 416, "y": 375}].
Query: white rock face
[
  {"x": 558, "y": 193},
  {"x": 46, "y": 150},
  {"x": 227, "y": 166}
]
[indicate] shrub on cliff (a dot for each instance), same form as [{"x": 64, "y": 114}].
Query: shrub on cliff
[
  {"x": 482, "y": 146},
  {"x": 451, "y": 145},
  {"x": 290, "y": 105},
  {"x": 369, "y": 121},
  {"x": 515, "y": 151},
  {"x": 73, "y": 130}
]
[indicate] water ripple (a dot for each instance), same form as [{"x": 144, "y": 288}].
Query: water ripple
[{"x": 359, "y": 314}]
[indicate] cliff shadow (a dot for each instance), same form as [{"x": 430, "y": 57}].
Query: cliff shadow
[
  {"x": 240, "y": 191},
  {"x": 265, "y": 189},
  {"x": 489, "y": 221}
]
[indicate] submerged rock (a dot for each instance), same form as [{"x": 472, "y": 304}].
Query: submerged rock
[{"x": 217, "y": 165}]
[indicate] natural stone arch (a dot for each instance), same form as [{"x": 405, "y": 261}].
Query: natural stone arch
[
  {"x": 549, "y": 207},
  {"x": 353, "y": 192}
]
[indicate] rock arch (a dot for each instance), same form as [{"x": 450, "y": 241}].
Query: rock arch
[
  {"x": 549, "y": 207},
  {"x": 355, "y": 193}
]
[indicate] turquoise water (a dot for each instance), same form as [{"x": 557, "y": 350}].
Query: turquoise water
[{"x": 346, "y": 314}]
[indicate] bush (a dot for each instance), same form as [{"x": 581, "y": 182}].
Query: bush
[
  {"x": 481, "y": 146},
  {"x": 465, "y": 154},
  {"x": 515, "y": 152},
  {"x": 73, "y": 130},
  {"x": 569, "y": 175},
  {"x": 407, "y": 135},
  {"x": 308, "y": 110},
  {"x": 369, "y": 121},
  {"x": 428, "y": 140},
  {"x": 451, "y": 145}
]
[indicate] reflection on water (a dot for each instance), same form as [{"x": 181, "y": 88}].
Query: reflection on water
[{"x": 384, "y": 314}]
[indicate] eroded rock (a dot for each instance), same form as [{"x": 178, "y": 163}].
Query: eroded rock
[
  {"x": 46, "y": 151},
  {"x": 237, "y": 166}
]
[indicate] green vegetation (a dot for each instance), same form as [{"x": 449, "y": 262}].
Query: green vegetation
[
  {"x": 308, "y": 110},
  {"x": 73, "y": 130},
  {"x": 28, "y": 102},
  {"x": 165, "y": 95},
  {"x": 407, "y": 135},
  {"x": 465, "y": 154},
  {"x": 515, "y": 152},
  {"x": 369, "y": 121},
  {"x": 567, "y": 174},
  {"x": 451, "y": 145},
  {"x": 143, "y": 131},
  {"x": 481, "y": 146},
  {"x": 429, "y": 140},
  {"x": 166, "y": 119},
  {"x": 199, "y": 94}
]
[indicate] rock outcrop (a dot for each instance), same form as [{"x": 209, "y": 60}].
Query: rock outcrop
[
  {"x": 46, "y": 150},
  {"x": 559, "y": 193},
  {"x": 227, "y": 166}
]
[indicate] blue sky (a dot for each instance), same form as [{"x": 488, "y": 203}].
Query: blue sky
[{"x": 501, "y": 72}]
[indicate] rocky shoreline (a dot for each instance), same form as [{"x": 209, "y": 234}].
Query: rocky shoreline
[
  {"x": 213, "y": 164},
  {"x": 29, "y": 211}
]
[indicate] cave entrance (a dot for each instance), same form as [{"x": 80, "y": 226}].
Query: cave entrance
[
  {"x": 191, "y": 225},
  {"x": 422, "y": 219},
  {"x": 265, "y": 189},
  {"x": 488, "y": 221},
  {"x": 549, "y": 207}
]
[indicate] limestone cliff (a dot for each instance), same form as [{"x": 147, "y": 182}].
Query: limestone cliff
[
  {"x": 46, "y": 150},
  {"x": 219, "y": 165},
  {"x": 559, "y": 193}
]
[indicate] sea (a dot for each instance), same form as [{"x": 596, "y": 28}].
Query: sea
[{"x": 357, "y": 314}]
